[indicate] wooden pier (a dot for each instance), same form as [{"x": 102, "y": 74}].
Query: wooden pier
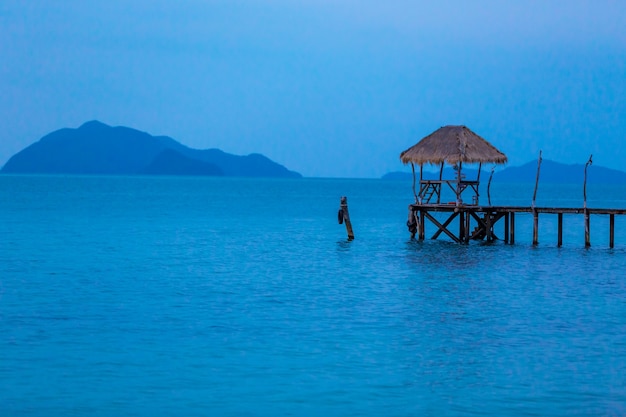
[
  {"x": 483, "y": 219},
  {"x": 458, "y": 145}
]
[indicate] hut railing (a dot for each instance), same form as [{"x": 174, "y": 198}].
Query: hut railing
[{"x": 430, "y": 189}]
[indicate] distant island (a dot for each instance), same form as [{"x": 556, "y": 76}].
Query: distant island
[
  {"x": 99, "y": 149},
  {"x": 551, "y": 172}
]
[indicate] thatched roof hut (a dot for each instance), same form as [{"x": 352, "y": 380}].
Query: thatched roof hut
[{"x": 452, "y": 145}]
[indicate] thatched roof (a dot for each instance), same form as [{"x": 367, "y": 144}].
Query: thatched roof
[{"x": 452, "y": 144}]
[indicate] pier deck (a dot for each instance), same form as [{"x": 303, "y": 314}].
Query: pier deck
[{"x": 486, "y": 217}]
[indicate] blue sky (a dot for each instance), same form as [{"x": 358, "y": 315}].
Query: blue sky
[{"x": 327, "y": 88}]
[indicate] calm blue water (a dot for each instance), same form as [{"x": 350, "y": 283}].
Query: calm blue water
[{"x": 236, "y": 297}]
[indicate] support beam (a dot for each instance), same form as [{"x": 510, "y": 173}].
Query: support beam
[
  {"x": 440, "y": 226},
  {"x": 444, "y": 225},
  {"x": 421, "y": 228}
]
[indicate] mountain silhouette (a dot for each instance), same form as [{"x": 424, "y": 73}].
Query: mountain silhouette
[
  {"x": 551, "y": 172},
  {"x": 96, "y": 148}
]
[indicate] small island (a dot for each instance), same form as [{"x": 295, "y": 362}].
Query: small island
[{"x": 99, "y": 149}]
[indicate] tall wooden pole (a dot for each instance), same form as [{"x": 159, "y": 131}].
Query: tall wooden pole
[
  {"x": 537, "y": 179},
  {"x": 585, "y": 183}
]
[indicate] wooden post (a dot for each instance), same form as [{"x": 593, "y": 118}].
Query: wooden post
[
  {"x": 489, "y": 226},
  {"x": 421, "y": 226},
  {"x": 462, "y": 226},
  {"x": 560, "y": 230},
  {"x": 535, "y": 227},
  {"x": 480, "y": 167},
  {"x": 467, "y": 227},
  {"x": 414, "y": 191},
  {"x": 440, "y": 187},
  {"x": 512, "y": 240},
  {"x": 506, "y": 227},
  {"x": 611, "y": 230},
  {"x": 459, "y": 201},
  {"x": 412, "y": 223},
  {"x": 587, "y": 236},
  {"x": 489, "y": 185},
  {"x": 346, "y": 217}
]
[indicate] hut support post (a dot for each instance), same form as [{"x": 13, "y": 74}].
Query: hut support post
[
  {"x": 489, "y": 227},
  {"x": 535, "y": 227},
  {"x": 346, "y": 217},
  {"x": 560, "y": 230},
  {"x": 611, "y": 230},
  {"x": 467, "y": 227},
  {"x": 440, "y": 178},
  {"x": 458, "y": 185},
  {"x": 489, "y": 186},
  {"x": 480, "y": 168},
  {"x": 421, "y": 227},
  {"x": 414, "y": 191}
]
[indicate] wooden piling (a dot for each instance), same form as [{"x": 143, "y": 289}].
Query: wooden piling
[
  {"x": 512, "y": 236},
  {"x": 535, "y": 227},
  {"x": 560, "y": 230},
  {"x": 487, "y": 219},
  {"x": 506, "y": 227},
  {"x": 346, "y": 217},
  {"x": 611, "y": 230},
  {"x": 587, "y": 234},
  {"x": 462, "y": 226}
]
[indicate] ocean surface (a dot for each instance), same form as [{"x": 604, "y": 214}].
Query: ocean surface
[{"x": 164, "y": 296}]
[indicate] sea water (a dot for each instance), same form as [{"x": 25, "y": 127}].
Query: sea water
[{"x": 165, "y": 296}]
